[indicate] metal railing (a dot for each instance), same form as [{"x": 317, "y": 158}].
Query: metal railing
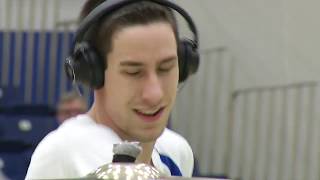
[{"x": 275, "y": 132}]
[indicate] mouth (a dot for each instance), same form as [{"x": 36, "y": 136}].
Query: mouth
[{"x": 149, "y": 116}]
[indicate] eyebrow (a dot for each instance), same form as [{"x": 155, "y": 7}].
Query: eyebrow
[
  {"x": 130, "y": 63},
  {"x": 138, "y": 64}
]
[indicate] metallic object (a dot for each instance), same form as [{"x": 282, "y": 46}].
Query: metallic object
[
  {"x": 126, "y": 152},
  {"x": 125, "y": 171}
]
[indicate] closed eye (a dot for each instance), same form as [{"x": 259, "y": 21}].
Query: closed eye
[
  {"x": 167, "y": 66},
  {"x": 132, "y": 72},
  {"x": 165, "y": 69}
]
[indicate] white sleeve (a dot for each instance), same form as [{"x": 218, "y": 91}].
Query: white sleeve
[
  {"x": 177, "y": 148},
  {"x": 48, "y": 161},
  {"x": 186, "y": 158},
  {"x": 187, "y": 167}
]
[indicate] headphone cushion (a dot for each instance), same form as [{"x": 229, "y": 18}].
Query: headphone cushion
[
  {"x": 188, "y": 59},
  {"x": 88, "y": 66}
]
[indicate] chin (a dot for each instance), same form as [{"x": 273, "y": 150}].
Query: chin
[{"x": 150, "y": 135}]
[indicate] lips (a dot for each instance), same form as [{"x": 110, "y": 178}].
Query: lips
[{"x": 149, "y": 116}]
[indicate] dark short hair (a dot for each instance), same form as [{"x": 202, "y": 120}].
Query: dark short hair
[{"x": 141, "y": 13}]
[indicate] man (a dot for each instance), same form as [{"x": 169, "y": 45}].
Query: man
[
  {"x": 70, "y": 105},
  {"x": 128, "y": 53}
]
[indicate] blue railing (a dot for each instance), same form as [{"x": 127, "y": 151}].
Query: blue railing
[{"x": 31, "y": 64}]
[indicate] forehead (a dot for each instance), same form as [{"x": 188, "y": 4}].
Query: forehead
[{"x": 156, "y": 39}]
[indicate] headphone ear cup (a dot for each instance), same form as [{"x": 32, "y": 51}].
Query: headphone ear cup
[
  {"x": 85, "y": 66},
  {"x": 188, "y": 56},
  {"x": 68, "y": 67}
]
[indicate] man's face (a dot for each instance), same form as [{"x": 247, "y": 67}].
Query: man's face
[{"x": 141, "y": 81}]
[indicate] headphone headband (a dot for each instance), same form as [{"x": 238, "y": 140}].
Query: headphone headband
[{"x": 109, "y": 6}]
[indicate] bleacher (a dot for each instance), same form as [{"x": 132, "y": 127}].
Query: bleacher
[
  {"x": 22, "y": 127},
  {"x": 32, "y": 79}
]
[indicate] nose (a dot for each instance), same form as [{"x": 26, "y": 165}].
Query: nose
[{"x": 152, "y": 91}]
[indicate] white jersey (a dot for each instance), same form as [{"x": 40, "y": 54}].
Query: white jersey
[{"x": 79, "y": 146}]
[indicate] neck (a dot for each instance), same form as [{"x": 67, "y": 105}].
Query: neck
[{"x": 146, "y": 153}]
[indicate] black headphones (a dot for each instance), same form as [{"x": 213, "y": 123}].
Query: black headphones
[{"x": 86, "y": 66}]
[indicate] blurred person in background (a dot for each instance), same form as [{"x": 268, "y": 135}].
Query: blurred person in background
[{"x": 70, "y": 104}]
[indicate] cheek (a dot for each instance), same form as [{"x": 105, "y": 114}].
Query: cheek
[
  {"x": 171, "y": 82},
  {"x": 119, "y": 84},
  {"x": 118, "y": 91}
]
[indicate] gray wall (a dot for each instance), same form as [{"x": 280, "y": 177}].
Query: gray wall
[{"x": 274, "y": 41}]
